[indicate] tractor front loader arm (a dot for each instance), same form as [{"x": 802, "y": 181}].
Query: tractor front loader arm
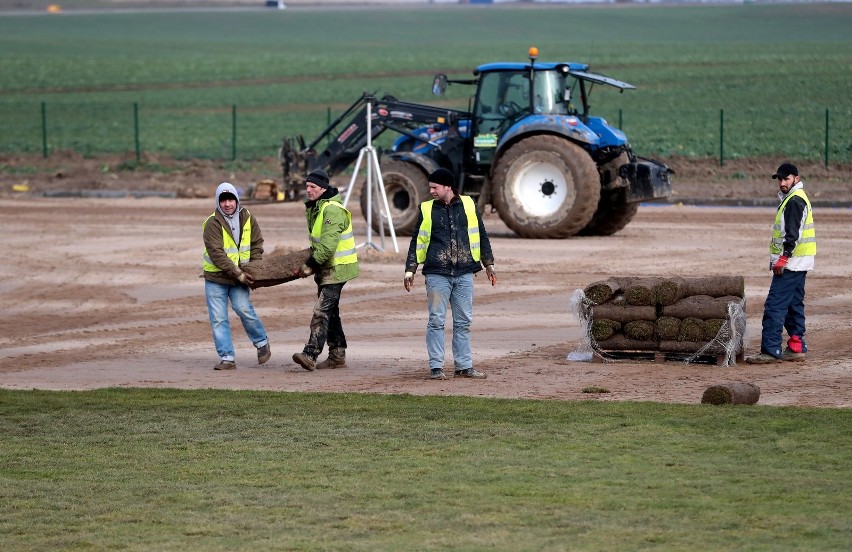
[{"x": 344, "y": 137}]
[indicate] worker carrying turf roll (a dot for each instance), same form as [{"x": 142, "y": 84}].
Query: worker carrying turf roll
[
  {"x": 232, "y": 238},
  {"x": 791, "y": 257},
  {"x": 333, "y": 262}
]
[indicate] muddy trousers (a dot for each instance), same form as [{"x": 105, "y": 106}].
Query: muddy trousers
[
  {"x": 326, "y": 325},
  {"x": 784, "y": 309}
]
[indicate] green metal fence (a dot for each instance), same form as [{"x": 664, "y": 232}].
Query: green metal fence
[{"x": 232, "y": 132}]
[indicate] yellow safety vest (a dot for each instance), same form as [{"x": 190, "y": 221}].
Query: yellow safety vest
[
  {"x": 345, "y": 252},
  {"x": 236, "y": 254},
  {"x": 424, "y": 235},
  {"x": 806, "y": 246}
]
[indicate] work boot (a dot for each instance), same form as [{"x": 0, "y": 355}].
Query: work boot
[
  {"x": 762, "y": 358},
  {"x": 226, "y": 365},
  {"x": 792, "y": 356},
  {"x": 470, "y": 373},
  {"x": 305, "y": 361},
  {"x": 336, "y": 359},
  {"x": 263, "y": 354}
]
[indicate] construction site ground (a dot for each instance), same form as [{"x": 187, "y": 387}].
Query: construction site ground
[{"x": 102, "y": 290}]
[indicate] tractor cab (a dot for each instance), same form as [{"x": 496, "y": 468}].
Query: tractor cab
[{"x": 513, "y": 99}]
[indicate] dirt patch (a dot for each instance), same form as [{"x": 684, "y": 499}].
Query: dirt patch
[
  {"x": 105, "y": 293},
  {"x": 694, "y": 179}
]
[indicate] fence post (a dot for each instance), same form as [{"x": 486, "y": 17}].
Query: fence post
[
  {"x": 44, "y": 130},
  {"x": 136, "y": 130},
  {"x": 826, "y": 137},
  {"x": 721, "y": 137},
  {"x": 234, "y": 132},
  {"x": 328, "y": 138}
]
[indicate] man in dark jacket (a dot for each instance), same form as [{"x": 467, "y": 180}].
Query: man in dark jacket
[
  {"x": 231, "y": 238},
  {"x": 452, "y": 246}
]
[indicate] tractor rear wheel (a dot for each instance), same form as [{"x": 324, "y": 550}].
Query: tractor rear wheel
[
  {"x": 546, "y": 187},
  {"x": 406, "y": 187},
  {"x": 613, "y": 213}
]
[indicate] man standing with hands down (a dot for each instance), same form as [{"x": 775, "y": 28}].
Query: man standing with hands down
[
  {"x": 333, "y": 262},
  {"x": 452, "y": 246},
  {"x": 791, "y": 257}
]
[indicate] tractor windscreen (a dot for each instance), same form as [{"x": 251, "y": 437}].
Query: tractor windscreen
[
  {"x": 550, "y": 94},
  {"x": 505, "y": 95}
]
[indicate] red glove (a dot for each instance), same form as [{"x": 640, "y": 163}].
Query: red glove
[
  {"x": 778, "y": 267},
  {"x": 795, "y": 344}
]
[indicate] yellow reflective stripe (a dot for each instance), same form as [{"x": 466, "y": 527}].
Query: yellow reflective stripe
[
  {"x": 346, "y": 251},
  {"x": 472, "y": 226},
  {"x": 237, "y": 254},
  {"x": 806, "y": 244},
  {"x": 425, "y": 232}
]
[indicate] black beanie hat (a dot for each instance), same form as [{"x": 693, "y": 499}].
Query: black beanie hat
[
  {"x": 319, "y": 177},
  {"x": 444, "y": 178}
]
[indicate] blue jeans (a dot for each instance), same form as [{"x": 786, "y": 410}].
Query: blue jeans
[
  {"x": 457, "y": 292},
  {"x": 784, "y": 309},
  {"x": 217, "y": 307}
]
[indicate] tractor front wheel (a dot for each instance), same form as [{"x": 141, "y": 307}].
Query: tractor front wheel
[
  {"x": 546, "y": 187},
  {"x": 406, "y": 187}
]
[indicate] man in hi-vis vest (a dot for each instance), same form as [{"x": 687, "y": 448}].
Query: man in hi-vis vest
[
  {"x": 452, "y": 246},
  {"x": 231, "y": 238},
  {"x": 333, "y": 262},
  {"x": 791, "y": 257}
]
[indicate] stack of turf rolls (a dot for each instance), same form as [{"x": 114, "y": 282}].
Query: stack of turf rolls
[{"x": 677, "y": 314}]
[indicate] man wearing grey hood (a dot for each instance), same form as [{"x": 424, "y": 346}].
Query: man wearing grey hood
[{"x": 232, "y": 238}]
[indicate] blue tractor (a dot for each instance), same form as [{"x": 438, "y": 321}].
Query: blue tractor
[{"x": 527, "y": 147}]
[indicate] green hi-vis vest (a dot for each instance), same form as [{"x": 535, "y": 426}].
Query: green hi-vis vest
[
  {"x": 345, "y": 253},
  {"x": 806, "y": 246},
  {"x": 236, "y": 254},
  {"x": 424, "y": 235}
]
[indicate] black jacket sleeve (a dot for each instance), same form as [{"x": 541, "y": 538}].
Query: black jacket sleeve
[
  {"x": 794, "y": 219},
  {"x": 485, "y": 252}
]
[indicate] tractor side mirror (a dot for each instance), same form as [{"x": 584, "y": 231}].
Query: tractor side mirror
[{"x": 439, "y": 84}]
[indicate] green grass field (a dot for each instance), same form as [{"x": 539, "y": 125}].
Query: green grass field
[
  {"x": 220, "y": 470},
  {"x": 773, "y": 69}
]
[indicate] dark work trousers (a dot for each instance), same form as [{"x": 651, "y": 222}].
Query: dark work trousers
[
  {"x": 325, "y": 323},
  {"x": 784, "y": 309}
]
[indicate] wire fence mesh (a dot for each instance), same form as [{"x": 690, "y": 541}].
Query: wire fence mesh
[{"x": 232, "y": 132}]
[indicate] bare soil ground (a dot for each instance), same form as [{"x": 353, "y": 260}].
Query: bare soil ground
[
  {"x": 105, "y": 292},
  {"x": 66, "y": 171}
]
